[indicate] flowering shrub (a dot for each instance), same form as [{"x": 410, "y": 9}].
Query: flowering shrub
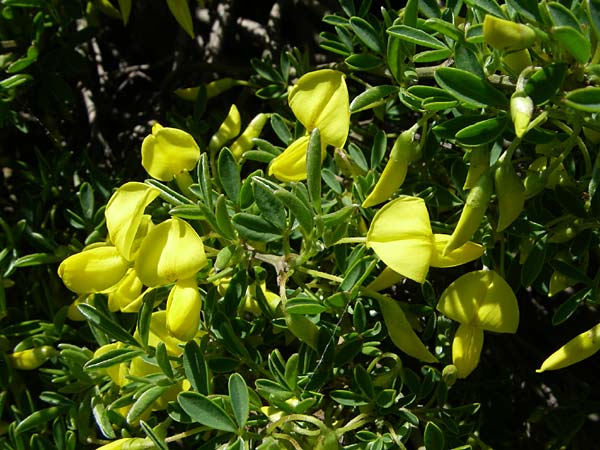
[{"x": 322, "y": 275}]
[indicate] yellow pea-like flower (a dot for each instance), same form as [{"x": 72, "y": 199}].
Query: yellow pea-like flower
[
  {"x": 183, "y": 310},
  {"x": 170, "y": 252},
  {"x": 467, "y": 252},
  {"x": 401, "y": 236},
  {"x": 97, "y": 269},
  {"x": 466, "y": 349},
  {"x": 506, "y": 35},
  {"x": 577, "y": 349},
  {"x": 124, "y": 215},
  {"x": 127, "y": 291},
  {"x": 290, "y": 165},
  {"x": 169, "y": 152},
  {"x": 159, "y": 333},
  {"x": 128, "y": 444},
  {"x": 31, "y": 358}
]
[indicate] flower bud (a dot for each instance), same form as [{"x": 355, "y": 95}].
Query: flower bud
[
  {"x": 253, "y": 130},
  {"x": 510, "y": 193},
  {"x": 450, "y": 374},
  {"x": 228, "y": 130},
  {"x": 506, "y": 35},
  {"x": 521, "y": 110},
  {"x": 183, "y": 310},
  {"x": 577, "y": 349},
  {"x": 32, "y": 358}
]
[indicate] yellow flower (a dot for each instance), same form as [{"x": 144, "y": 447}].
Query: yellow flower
[
  {"x": 183, "y": 310},
  {"x": 401, "y": 236},
  {"x": 250, "y": 303},
  {"x": 97, "y": 269},
  {"x": 318, "y": 100},
  {"x": 159, "y": 333},
  {"x": 128, "y": 290},
  {"x": 577, "y": 349},
  {"x": 170, "y": 252},
  {"x": 479, "y": 300},
  {"x": 124, "y": 215},
  {"x": 169, "y": 152}
]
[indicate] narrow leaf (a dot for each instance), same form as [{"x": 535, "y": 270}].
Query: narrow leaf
[{"x": 202, "y": 410}]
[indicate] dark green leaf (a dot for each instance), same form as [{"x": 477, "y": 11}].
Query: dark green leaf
[
  {"x": 112, "y": 358},
  {"x": 429, "y": 8},
  {"x": 270, "y": 206},
  {"x": 560, "y": 15},
  {"x": 570, "y": 201},
  {"x": 191, "y": 212},
  {"x": 571, "y": 272},
  {"x": 488, "y": 6},
  {"x": 313, "y": 169},
  {"x": 229, "y": 175},
  {"x": 363, "y": 61},
  {"x": 445, "y": 28},
  {"x": 367, "y": 34},
  {"x": 298, "y": 208},
  {"x": 482, "y": 132},
  {"x": 281, "y": 130},
  {"x": 449, "y": 128},
  {"x": 546, "y": 82},
  {"x": 144, "y": 319},
  {"x": 469, "y": 88},
  {"x": 396, "y": 53},
  {"x": 223, "y": 219},
  {"x": 348, "y": 398},
  {"x": 240, "y": 402},
  {"x": 363, "y": 381},
  {"x": 575, "y": 42},
  {"x": 202, "y": 410},
  {"x": 304, "y": 305},
  {"x": 526, "y": 8},
  {"x": 39, "y": 419},
  {"x": 106, "y": 324},
  {"x": 569, "y": 306},
  {"x": 195, "y": 367},
  {"x": 416, "y": 36},
  {"x": 153, "y": 436},
  {"x": 145, "y": 402},
  {"x": 433, "y": 437},
  {"x": 534, "y": 263},
  {"x": 594, "y": 13},
  {"x": 371, "y": 97},
  {"x": 86, "y": 200},
  {"x": 584, "y": 99},
  {"x": 432, "y": 56},
  {"x": 335, "y": 47},
  {"x": 167, "y": 194},
  {"x": 335, "y": 20},
  {"x": 255, "y": 228},
  {"x": 162, "y": 359}
]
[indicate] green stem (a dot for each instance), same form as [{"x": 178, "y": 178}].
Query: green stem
[
  {"x": 351, "y": 240},
  {"x": 319, "y": 274},
  {"x": 184, "y": 434},
  {"x": 296, "y": 417}
]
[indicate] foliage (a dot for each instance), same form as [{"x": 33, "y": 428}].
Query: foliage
[{"x": 319, "y": 248}]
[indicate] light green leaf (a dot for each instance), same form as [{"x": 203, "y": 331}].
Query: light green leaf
[{"x": 202, "y": 410}]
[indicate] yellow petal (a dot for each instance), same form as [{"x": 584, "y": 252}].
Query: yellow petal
[
  {"x": 577, "y": 349},
  {"x": 124, "y": 213},
  {"x": 467, "y": 252},
  {"x": 291, "y": 164},
  {"x": 128, "y": 290},
  {"x": 320, "y": 100},
  {"x": 466, "y": 349},
  {"x": 401, "y": 236},
  {"x": 385, "y": 279},
  {"x": 95, "y": 270},
  {"x": 400, "y": 331},
  {"x": 183, "y": 310},
  {"x": 159, "y": 333},
  {"x": 169, "y": 151},
  {"x": 481, "y": 298},
  {"x": 171, "y": 251}
]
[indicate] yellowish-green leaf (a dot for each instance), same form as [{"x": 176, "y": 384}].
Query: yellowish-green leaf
[{"x": 181, "y": 11}]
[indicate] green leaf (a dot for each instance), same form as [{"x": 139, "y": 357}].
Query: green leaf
[
  {"x": 298, "y": 209},
  {"x": 488, "y": 6},
  {"x": 36, "y": 259},
  {"x": 449, "y": 128},
  {"x": 379, "y": 148},
  {"x": 363, "y": 61},
  {"x": 153, "y": 436},
  {"x": 86, "y": 200},
  {"x": 112, "y": 358},
  {"x": 416, "y": 36},
  {"x": 482, "y": 132},
  {"x": 270, "y": 206},
  {"x": 469, "y": 88},
  {"x": 291, "y": 371},
  {"x": 240, "y": 402},
  {"x": 145, "y": 402},
  {"x": 571, "y": 272},
  {"x": 575, "y": 42},
  {"x": 162, "y": 359},
  {"x": 229, "y": 175},
  {"x": 203, "y": 411},
  {"x": 181, "y": 11},
  {"x": 433, "y": 437},
  {"x": 223, "y": 219},
  {"x": 594, "y": 13},
  {"x": 367, "y": 34},
  {"x": 396, "y": 52},
  {"x": 336, "y": 20},
  {"x": 167, "y": 194},
  {"x": 304, "y": 305},
  {"x": 15, "y": 81},
  {"x": 144, "y": 318},
  {"x": 106, "y": 324},
  {"x": 191, "y": 212},
  {"x": 363, "y": 381},
  {"x": 195, "y": 368},
  {"x": 281, "y": 130},
  {"x": 254, "y": 228},
  {"x": 313, "y": 169},
  {"x": 371, "y": 97},
  {"x": 432, "y": 55},
  {"x": 39, "y": 419},
  {"x": 526, "y": 8},
  {"x": 585, "y": 99},
  {"x": 535, "y": 262},
  {"x": 348, "y": 398},
  {"x": 101, "y": 418},
  {"x": 561, "y": 16},
  {"x": 546, "y": 82},
  {"x": 569, "y": 306},
  {"x": 446, "y": 28}
]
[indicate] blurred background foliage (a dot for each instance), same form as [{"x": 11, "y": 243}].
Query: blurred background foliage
[{"x": 79, "y": 90}]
